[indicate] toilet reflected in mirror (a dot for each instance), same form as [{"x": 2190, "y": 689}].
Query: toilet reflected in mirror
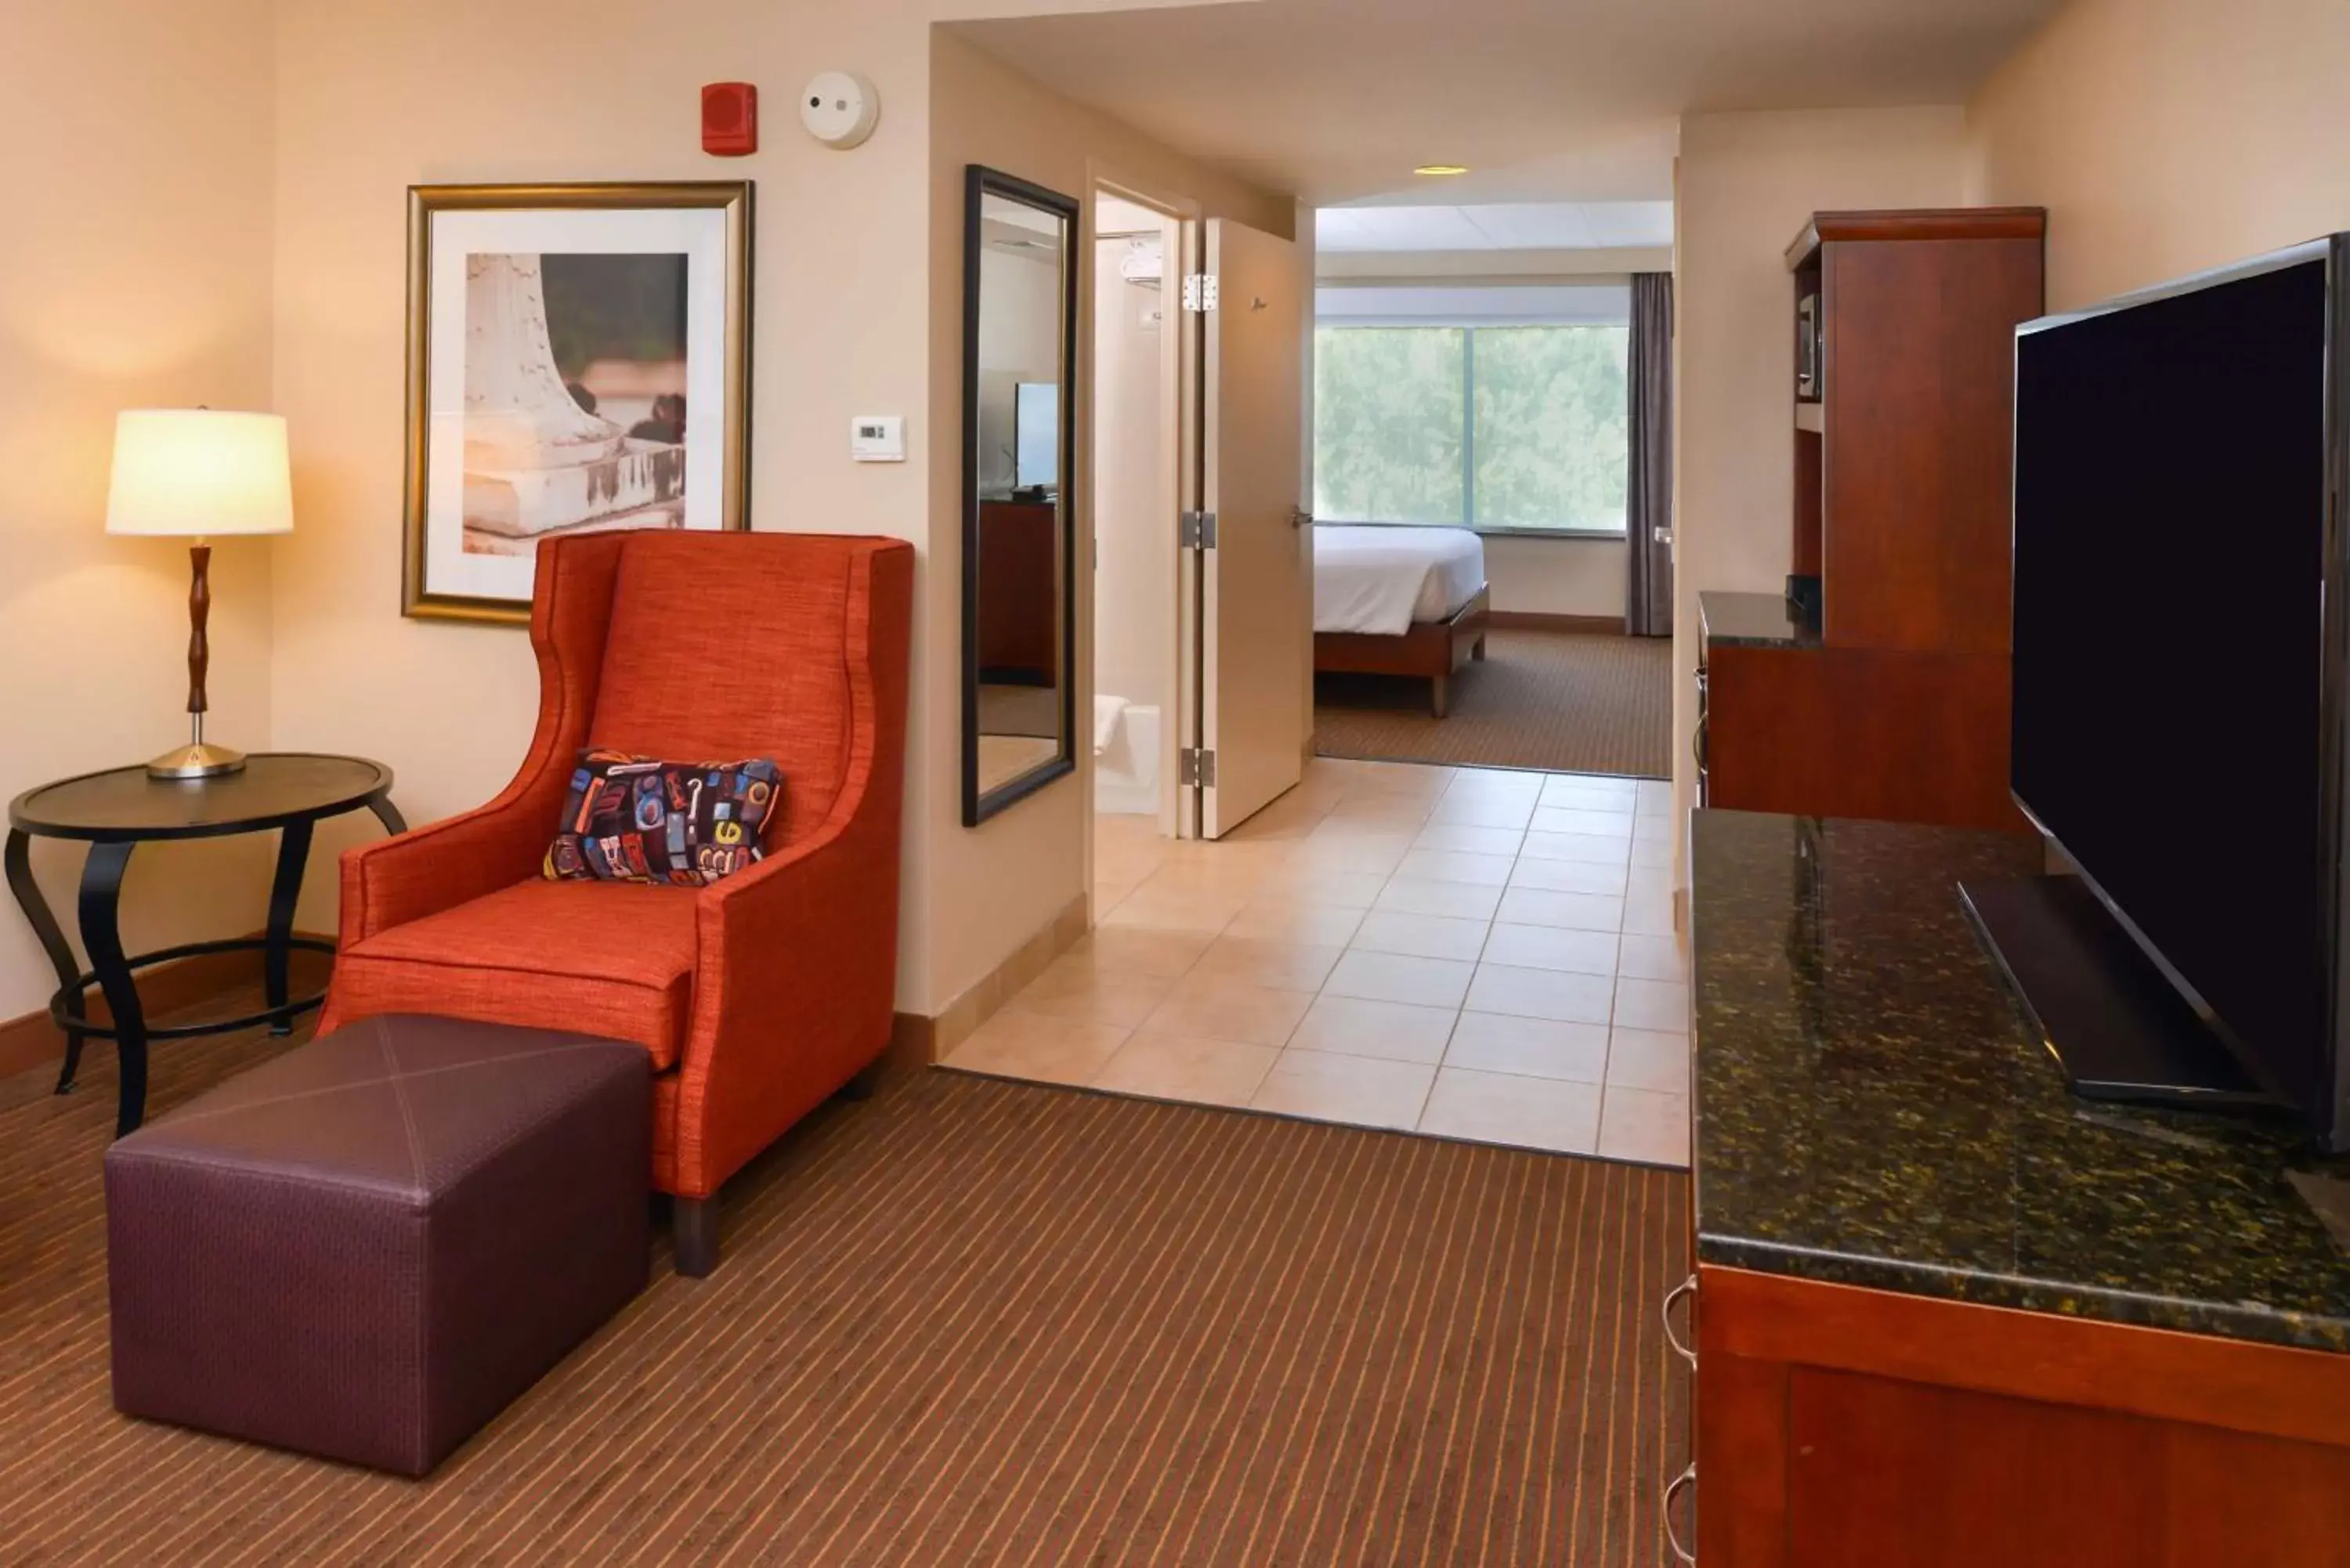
[{"x": 1020, "y": 305}]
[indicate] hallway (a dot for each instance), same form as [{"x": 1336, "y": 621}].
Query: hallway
[{"x": 1472, "y": 953}]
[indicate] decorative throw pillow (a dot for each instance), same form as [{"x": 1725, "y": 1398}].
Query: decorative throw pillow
[{"x": 639, "y": 819}]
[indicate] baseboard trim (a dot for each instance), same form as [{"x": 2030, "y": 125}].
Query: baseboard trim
[
  {"x": 915, "y": 1041},
  {"x": 34, "y": 1040},
  {"x": 913, "y": 1045},
  {"x": 28, "y": 1043},
  {"x": 1537, "y": 620},
  {"x": 920, "y": 1041}
]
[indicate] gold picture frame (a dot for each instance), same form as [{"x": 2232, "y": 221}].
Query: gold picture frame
[{"x": 515, "y": 442}]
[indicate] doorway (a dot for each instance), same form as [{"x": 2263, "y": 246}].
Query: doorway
[
  {"x": 1137, "y": 499},
  {"x": 1201, "y": 600}
]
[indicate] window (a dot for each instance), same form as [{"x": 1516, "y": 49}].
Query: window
[
  {"x": 1490, "y": 426},
  {"x": 1387, "y": 426}
]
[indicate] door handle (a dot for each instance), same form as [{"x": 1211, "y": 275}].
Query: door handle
[
  {"x": 1300, "y": 518},
  {"x": 1661, "y": 535},
  {"x": 1680, "y": 1483},
  {"x": 1688, "y": 1287}
]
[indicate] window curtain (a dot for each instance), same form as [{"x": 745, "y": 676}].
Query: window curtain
[{"x": 1648, "y": 512}]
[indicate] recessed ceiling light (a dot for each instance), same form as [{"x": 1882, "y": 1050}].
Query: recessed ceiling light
[{"x": 1441, "y": 170}]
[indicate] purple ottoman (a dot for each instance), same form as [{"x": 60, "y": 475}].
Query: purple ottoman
[{"x": 365, "y": 1249}]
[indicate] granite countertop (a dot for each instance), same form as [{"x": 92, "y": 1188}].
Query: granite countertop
[
  {"x": 1873, "y": 1110},
  {"x": 1754, "y": 621}
]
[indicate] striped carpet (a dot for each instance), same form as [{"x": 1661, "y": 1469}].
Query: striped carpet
[
  {"x": 969, "y": 1322},
  {"x": 1563, "y": 701}
]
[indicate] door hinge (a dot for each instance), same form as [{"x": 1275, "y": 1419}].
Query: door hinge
[
  {"x": 1201, "y": 293},
  {"x": 1197, "y": 531},
  {"x": 1196, "y": 767}
]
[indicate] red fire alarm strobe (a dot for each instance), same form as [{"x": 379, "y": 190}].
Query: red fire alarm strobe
[{"x": 730, "y": 119}]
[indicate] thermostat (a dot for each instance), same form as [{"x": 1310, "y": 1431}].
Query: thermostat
[
  {"x": 877, "y": 437},
  {"x": 840, "y": 108}
]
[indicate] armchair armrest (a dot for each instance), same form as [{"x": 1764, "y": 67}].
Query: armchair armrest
[
  {"x": 442, "y": 864},
  {"x": 795, "y": 990},
  {"x": 445, "y": 863},
  {"x": 795, "y": 987}
]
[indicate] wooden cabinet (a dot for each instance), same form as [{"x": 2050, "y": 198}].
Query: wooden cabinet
[
  {"x": 1897, "y": 706},
  {"x": 1880, "y": 733},
  {"x": 1946, "y": 1313},
  {"x": 1842, "y": 1428},
  {"x": 1019, "y": 593},
  {"x": 1918, "y": 426}
]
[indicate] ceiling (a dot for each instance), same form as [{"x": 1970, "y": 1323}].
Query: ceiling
[
  {"x": 1502, "y": 227},
  {"x": 1545, "y": 101}
]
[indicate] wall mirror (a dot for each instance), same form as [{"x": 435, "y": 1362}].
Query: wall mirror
[{"x": 1019, "y": 321}]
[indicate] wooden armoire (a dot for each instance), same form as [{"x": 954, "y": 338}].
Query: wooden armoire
[{"x": 1888, "y": 697}]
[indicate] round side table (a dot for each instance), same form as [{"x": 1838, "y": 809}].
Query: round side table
[{"x": 116, "y": 811}]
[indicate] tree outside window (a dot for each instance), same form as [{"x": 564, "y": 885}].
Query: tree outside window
[{"x": 1496, "y": 428}]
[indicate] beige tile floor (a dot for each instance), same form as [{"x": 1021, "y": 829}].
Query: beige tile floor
[{"x": 1480, "y": 954}]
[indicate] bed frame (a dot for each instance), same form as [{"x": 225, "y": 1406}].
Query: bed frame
[{"x": 1433, "y": 650}]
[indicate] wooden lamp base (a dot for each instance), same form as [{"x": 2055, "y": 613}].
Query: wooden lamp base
[{"x": 199, "y": 759}]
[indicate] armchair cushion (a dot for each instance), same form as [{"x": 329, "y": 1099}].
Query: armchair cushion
[
  {"x": 717, "y": 689},
  {"x": 610, "y": 959},
  {"x": 639, "y": 819}
]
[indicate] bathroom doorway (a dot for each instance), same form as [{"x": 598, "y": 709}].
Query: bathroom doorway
[{"x": 1138, "y": 451}]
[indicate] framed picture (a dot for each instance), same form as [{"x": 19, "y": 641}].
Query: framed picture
[{"x": 578, "y": 360}]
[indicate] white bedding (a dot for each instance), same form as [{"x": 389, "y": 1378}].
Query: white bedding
[{"x": 1381, "y": 579}]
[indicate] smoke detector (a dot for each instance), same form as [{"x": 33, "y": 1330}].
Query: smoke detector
[{"x": 841, "y": 110}]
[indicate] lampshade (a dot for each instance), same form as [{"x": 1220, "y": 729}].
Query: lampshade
[{"x": 188, "y": 472}]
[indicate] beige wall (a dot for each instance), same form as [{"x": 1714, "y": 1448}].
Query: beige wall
[
  {"x": 990, "y": 888},
  {"x": 1134, "y": 524},
  {"x": 1556, "y": 576},
  {"x": 134, "y": 270},
  {"x": 1747, "y": 184},
  {"x": 207, "y": 205},
  {"x": 2165, "y": 135},
  {"x": 376, "y": 95},
  {"x": 858, "y": 311}
]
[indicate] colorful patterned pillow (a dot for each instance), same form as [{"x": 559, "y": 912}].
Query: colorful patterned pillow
[{"x": 639, "y": 819}]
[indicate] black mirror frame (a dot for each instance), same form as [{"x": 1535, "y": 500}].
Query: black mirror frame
[{"x": 979, "y": 182}]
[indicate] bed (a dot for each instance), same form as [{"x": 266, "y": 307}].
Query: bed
[{"x": 1399, "y": 601}]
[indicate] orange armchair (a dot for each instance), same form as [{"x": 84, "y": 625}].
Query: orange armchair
[{"x": 757, "y": 997}]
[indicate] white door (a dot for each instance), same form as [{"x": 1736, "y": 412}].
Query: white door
[{"x": 1254, "y": 603}]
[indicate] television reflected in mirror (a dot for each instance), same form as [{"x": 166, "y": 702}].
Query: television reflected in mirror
[
  {"x": 1037, "y": 438},
  {"x": 1020, "y": 306}
]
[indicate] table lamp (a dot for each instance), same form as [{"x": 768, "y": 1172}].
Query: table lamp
[{"x": 198, "y": 473}]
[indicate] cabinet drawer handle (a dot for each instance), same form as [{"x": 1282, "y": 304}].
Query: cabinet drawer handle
[
  {"x": 1680, "y": 1483},
  {"x": 1688, "y": 1287}
]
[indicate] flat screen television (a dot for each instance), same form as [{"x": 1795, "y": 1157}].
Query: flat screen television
[
  {"x": 1037, "y": 435},
  {"x": 2181, "y": 680}
]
